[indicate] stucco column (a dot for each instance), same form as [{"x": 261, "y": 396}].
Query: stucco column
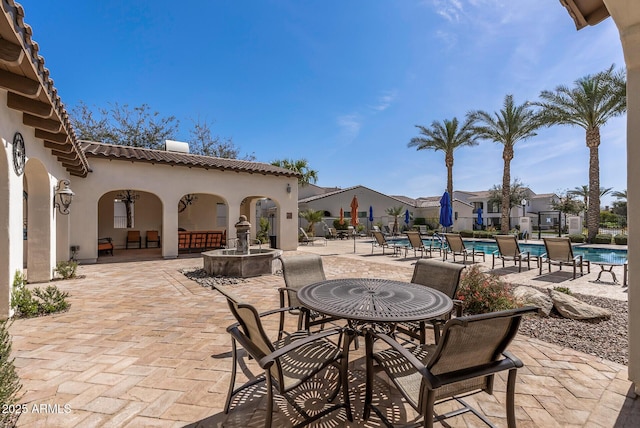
[
  {"x": 169, "y": 233},
  {"x": 626, "y": 15}
]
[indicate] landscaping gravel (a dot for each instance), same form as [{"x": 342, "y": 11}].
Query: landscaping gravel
[{"x": 607, "y": 339}]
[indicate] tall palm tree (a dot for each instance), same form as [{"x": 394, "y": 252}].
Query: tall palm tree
[
  {"x": 511, "y": 124},
  {"x": 589, "y": 104},
  {"x": 302, "y": 166},
  {"x": 446, "y": 137}
]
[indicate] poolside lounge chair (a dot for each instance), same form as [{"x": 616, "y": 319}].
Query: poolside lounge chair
[
  {"x": 472, "y": 350},
  {"x": 455, "y": 246},
  {"x": 306, "y": 239},
  {"x": 287, "y": 363},
  {"x": 508, "y": 249},
  {"x": 441, "y": 276},
  {"x": 416, "y": 244},
  {"x": 560, "y": 253},
  {"x": 381, "y": 242},
  {"x": 422, "y": 229},
  {"x": 333, "y": 234}
]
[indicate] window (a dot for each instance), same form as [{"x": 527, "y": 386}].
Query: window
[
  {"x": 120, "y": 218},
  {"x": 493, "y": 207},
  {"x": 221, "y": 215},
  {"x": 477, "y": 205}
]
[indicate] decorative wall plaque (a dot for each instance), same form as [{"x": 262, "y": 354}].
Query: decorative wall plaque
[{"x": 18, "y": 153}]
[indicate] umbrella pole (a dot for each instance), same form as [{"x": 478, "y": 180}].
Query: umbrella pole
[{"x": 354, "y": 241}]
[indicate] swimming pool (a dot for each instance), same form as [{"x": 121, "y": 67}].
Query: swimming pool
[{"x": 604, "y": 255}]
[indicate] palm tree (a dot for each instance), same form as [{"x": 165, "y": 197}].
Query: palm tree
[
  {"x": 301, "y": 166},
  {"x": 517, "y": 192},
  {"x": 620, "y": 195},
  {"x": 589, "y": 104},
  {"x": 395, "y": 212},
  {"x": 312, "y": 217},
  {"x": 446, "y": 137},
  {"x": 583, "y": 192},
  {"x": 508, "y": 126}
]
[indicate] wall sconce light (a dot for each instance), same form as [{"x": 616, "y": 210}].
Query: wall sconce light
[
  {"x": 288, "y": 188},
  {"x": 62, "y": 196}
]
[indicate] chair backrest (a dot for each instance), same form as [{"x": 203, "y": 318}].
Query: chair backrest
[
  {"x": 559, "y": 249},
  {"x": 133, "y": 236},
  {"x": 444, "y": 277},
  {"x": 472, "y": 342},
  {"x": 304, "y": 234},
  {"x": 507, "y": 245},
  {"x": 152, "y": 235},
  {"x": 375, "y": 228},
  {"x": 333, "y": 232},
  {"x": 414, "y": 239},
  {"x": 299, "y": 271},
  {"x": 249, "y": 321},
  {"x": 422, "y": 229},
  {"x": 455, "y": 242},
  {"x": 380, "y": 239}
]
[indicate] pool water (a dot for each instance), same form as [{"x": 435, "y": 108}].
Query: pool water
[{"x": 596, "y": 255}]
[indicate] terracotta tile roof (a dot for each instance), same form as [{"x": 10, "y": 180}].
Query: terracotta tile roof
[
  {"x": 14, "y": 22},
  {"x": 137, "y": 154}
]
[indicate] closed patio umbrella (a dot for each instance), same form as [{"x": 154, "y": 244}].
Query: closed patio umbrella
[
  {"x": 445, "y": 211},
  {"x": 370, "y": 218},
  {"x": 341, "y": 216},
  {"x": 480, "y": 217},
  {"x": 406, "y": 217},
  {"x": 354, "y": 219}
]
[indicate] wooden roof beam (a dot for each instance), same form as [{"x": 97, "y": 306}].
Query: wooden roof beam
[
  {"x": 60, "y": 148},
  {"x": 59, "y": 138},
  {"x": 63, "y": 155},
  {"x": 20, "y": 84},
  {"x": 49, "y": 125},
  {"x": 28, "y": 105},
  {"x": 11, "y": 53}
]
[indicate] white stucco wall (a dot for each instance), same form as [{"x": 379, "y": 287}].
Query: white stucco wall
[{"x": 47, "y": 228}]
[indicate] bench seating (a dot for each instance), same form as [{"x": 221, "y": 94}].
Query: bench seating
[{"x": 201, "y": 240}]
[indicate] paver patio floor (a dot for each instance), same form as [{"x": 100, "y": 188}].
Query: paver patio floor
[{"x": 142, "y": 345}]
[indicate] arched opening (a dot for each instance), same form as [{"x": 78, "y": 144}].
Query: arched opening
[
  {"x": 203, "y": 220},
  {"x": 38, "y": 208},
  {"x": 267, "y": 220},
  {"x": 125, "y": 213}
]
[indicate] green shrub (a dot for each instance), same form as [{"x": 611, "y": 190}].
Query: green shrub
[
  {"x": 263, "y": 232},
  {"x": 419, "y": 221},
  {"x": 343, "y": 226},
  {"x": 483, "y": 234},
  {"x": 30, "y": 303},
  {"x": 576, "y": 237},
  {"x": 22, "y": 300},
  {"x": 67, "y": 269},
  {"x": 620, "y": 239},
  {"x": 604, "y": 238},
  {"x": 9, "y": 380},
  {"x": 565, "y": 290},
  {"x": 51, "y": 299},
  {"x": 482, "y": 293},
  {"x": 466, "y": 233}
]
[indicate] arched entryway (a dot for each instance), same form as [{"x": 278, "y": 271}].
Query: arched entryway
[{"x": 125, "y": 212}]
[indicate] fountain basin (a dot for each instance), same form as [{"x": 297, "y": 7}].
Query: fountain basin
[{"x": 228, "y": 262}]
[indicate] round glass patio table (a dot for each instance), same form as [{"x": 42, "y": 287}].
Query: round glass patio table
[{"x": 375, "y": 300}]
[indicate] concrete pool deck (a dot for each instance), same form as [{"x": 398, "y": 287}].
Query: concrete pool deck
[{"x": 142, "y": 345}]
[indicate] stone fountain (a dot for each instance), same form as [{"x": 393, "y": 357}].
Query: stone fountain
[{"x": 242, "y": 261}]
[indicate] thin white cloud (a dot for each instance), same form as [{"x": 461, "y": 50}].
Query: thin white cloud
[
  {"x": 350, "y": 124},
  {"x": 385, "y": 100},
  {"x": 449, "y": 9}
]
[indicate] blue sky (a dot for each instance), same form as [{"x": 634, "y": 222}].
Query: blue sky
[{"x": 341, "y": 83}]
